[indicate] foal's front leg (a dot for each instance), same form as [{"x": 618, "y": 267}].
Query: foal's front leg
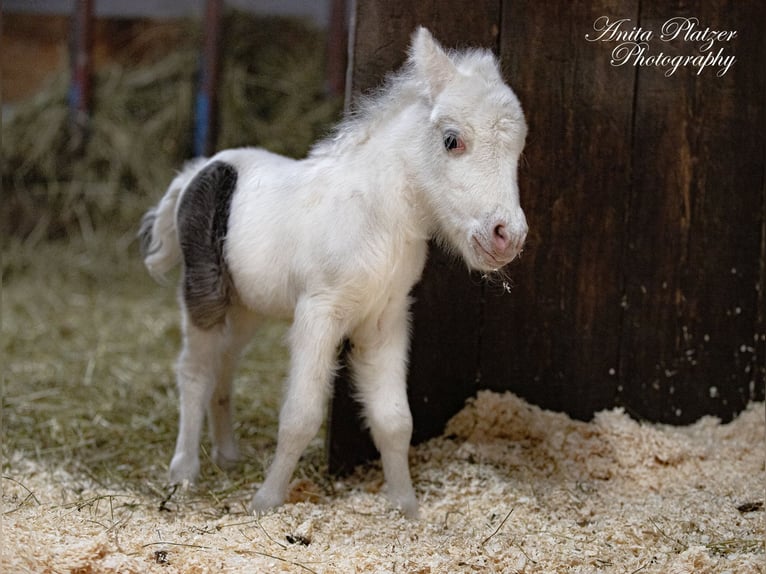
[
  {"x": 379, "y": 361},
  {"x": 314, "y": 338}
]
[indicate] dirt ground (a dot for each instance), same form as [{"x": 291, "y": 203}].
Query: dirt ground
[{"x": 508, "y": 488}]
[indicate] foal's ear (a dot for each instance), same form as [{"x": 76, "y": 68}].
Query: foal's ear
[{"x": 432, "y": 64}]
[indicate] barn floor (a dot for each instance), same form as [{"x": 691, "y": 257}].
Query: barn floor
[
  {"x": 513, "y": 489},
  {"x": 89, "y": 422}
]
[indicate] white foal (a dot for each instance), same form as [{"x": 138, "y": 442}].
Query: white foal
[{"x": 336, "y": 241}]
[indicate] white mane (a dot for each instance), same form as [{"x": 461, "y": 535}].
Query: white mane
[{"x": 399, "y": 90}]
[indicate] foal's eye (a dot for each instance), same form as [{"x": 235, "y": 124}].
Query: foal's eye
[{"x": 453, "y": 142}]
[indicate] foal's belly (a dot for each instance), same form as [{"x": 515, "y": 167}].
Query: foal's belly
[
  {"x": 351, "y": 293},
  {"x": 265, "y": 290}
]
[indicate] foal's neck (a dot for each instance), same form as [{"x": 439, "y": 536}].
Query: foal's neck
[{"x": 386, "y": 160}]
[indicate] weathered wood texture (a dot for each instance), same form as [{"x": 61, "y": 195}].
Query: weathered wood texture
[
  {"x": 645, "y": 196},
  {"x": 554, "y": 338},
  {"x": 695, "y": 226}
]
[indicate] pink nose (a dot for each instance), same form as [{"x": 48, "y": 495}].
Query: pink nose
[
  {"x": 507, "y": 243},
  {"x": 501, "y": 239}
]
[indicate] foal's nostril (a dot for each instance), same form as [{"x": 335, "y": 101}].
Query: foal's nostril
[{"x": 500, "y": 238}]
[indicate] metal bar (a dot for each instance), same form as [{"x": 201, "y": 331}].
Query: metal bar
[
  {"x": 206, "y": 109},
  {"x": 81, "y": 65}
]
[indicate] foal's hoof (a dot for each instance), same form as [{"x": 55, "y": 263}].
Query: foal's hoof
[
  {"x": 407, "y": 503},
  {"x": 410, "y": 509},
  {"x": 225, "y": 460},
  {"x": 263, "y": 502},
  {"x": 183, "y": 471}
]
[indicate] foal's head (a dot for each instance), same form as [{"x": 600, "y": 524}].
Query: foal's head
[{"x": 469, "y": 152}]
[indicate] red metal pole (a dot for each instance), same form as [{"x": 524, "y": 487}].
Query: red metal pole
[{"x": 81, "y": 64}]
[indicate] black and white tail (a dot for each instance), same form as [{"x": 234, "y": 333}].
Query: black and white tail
[
  {"x": 158, "y": 234},
  {"x": 191, "y": 223}
]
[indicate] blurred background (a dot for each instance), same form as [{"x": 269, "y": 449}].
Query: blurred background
[{"x": 145, "y": 68}]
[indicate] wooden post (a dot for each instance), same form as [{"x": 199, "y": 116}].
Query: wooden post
[
  {"x": 554, "y": 339},
  {"x": 206, "y": 108},
  {"x": 642, "y": 282},
  {"x": 81, "y": 64}
]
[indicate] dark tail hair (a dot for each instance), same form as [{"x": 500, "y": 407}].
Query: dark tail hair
[{"x": 202, "y": 221}]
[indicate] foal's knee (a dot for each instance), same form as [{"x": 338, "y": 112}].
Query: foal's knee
[
  {"x": 299, "y": 422},
  {"x": 391, "y": 427}
]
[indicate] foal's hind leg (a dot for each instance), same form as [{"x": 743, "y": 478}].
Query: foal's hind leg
[
  {"x": 204, "y": 372},
  {"x": 196, "y": 372},
  {"x": 239, "y": 330}
]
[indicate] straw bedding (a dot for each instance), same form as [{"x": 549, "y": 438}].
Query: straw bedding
[
  {"x": 90, "y": 418},
  {"x": 509, "y": 488}
]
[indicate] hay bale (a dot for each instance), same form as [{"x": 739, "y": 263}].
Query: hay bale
[{"x": 271, "y": 94}]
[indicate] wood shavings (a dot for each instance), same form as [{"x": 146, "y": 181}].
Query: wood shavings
[{"x": 513, "y": 489}]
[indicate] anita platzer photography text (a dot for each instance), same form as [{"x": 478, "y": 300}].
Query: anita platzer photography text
[{"x": 704, "y": 47}]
